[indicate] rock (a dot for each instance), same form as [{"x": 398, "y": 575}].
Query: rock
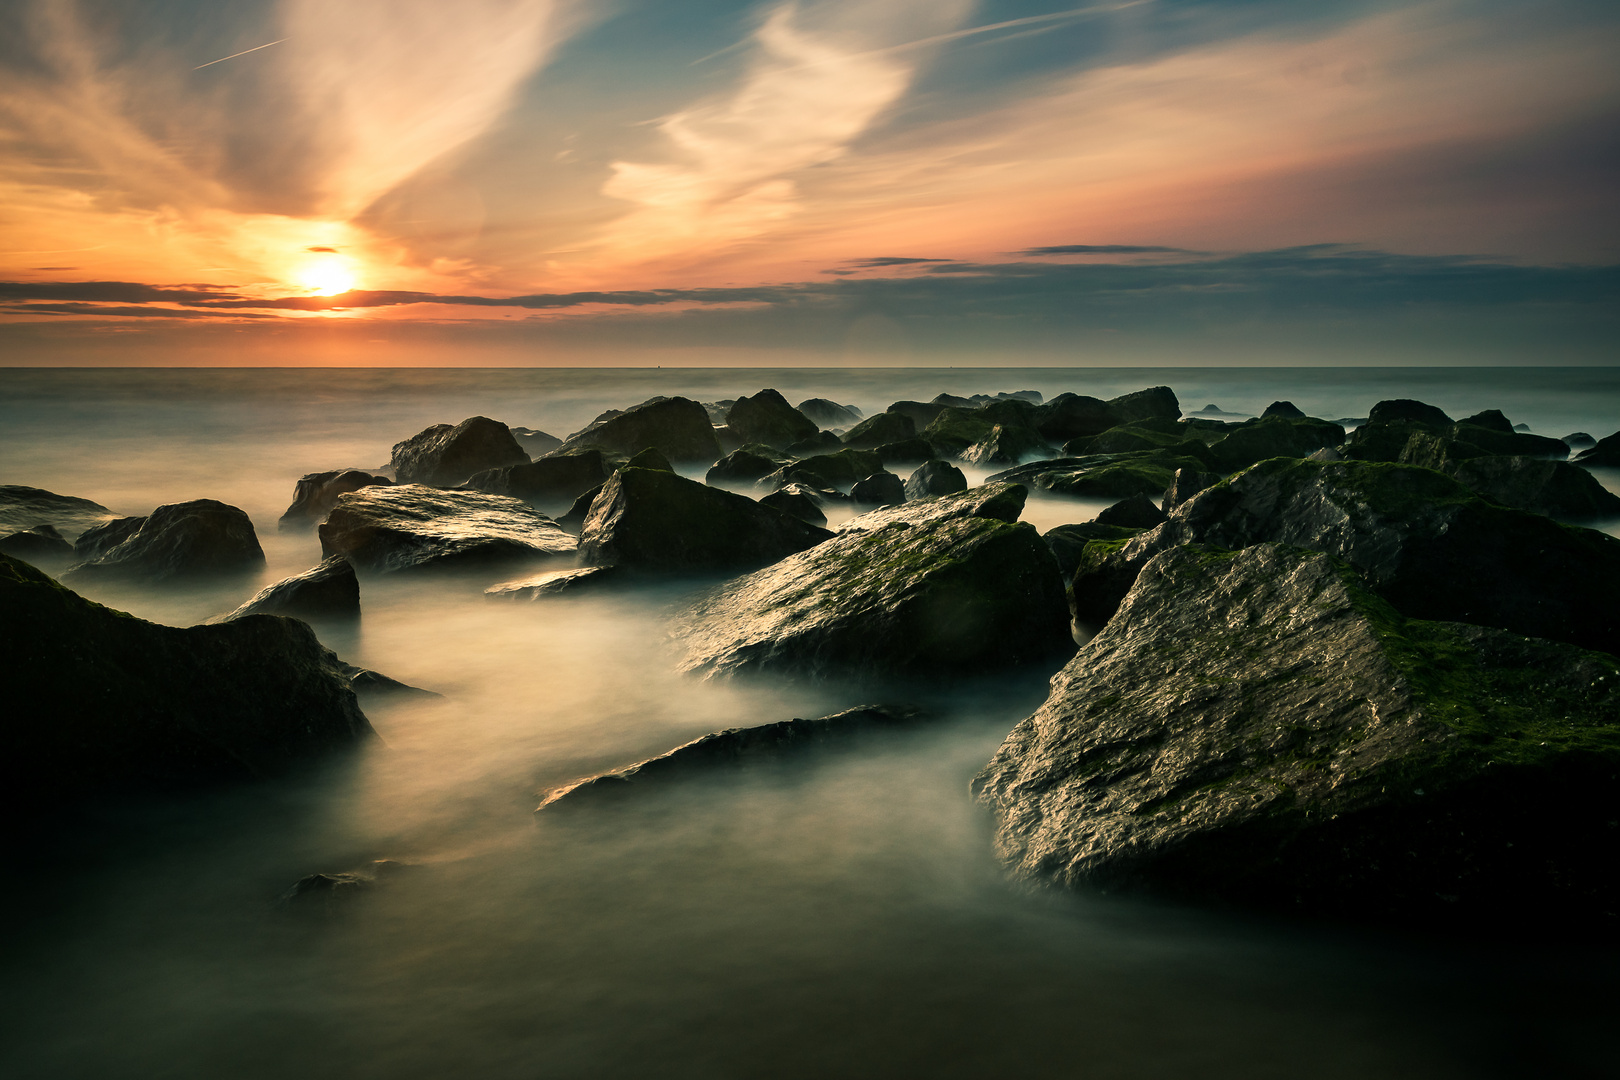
[
  {"x": 22, "y": 508},
  {"x": 935, "y": 477},
  {"x": 535, "y": 443},
  {"x": 1327, "y": 453},
  {"x": 40, "y": 546},
  {"x": 650, "y": 458},
  {"x": 822, "y": 442},
  {"x": 1285, "y": 410},
  {"x": 1579, "y": 440},
  {"x": 875, "y": 431},
  {"x": 954, "y": 430},
  {"x": 1184, "y": 484},
  {"x": 573, "y": 522},
  {"x": 1555, "y": 488},
  {"x": 1276, "y": 437},
  {"x": 1137, "y": 512},
  {"x": 1511, "y": 442},
  {"x": 1152, "y": 434},
  {"x": 98, "y": 539},
  {"x": 550, "y": 482},
  {"x": 955, "y": 401},
  {"x": 679, "y": 427},
  {"x": 1604, "y": 455},
  {"x": 328, "y": 895},
  {"x": 1491, "y": 420},
  {"x": 717, "y": 410},
  {"x": 746, "y": 464},
  {"x": 1072, "y": 416},
  {"x": 125, "y": 705},
  {"x": 419, "y": 528},
  {"x": 557, "y": 583},
  {"x": 838, "y": 470},
  {"x": 1154, "y": 403},
  {"x": 1214, "y": 410},
  {"x": 768, "y": 418},
  {"x": 329, "y": 591},
  {"x": 920, "y": 413},
  {"x": 921, "y": 591},
  {"x": 1258, "y": 728},
  {"x": 1001, "y": 502},
  {"x": 444, "y": 456},
  {"x": 178, "y": 541},
  {"x": 1110, "y": 476},
  {"x": 316, "y": 493},
  {"x": 1521, "y": 427},
  {"x": 661, "y": 523},
  {"x": 822, "y": 497},
  {"x": 736, "y": 747},
  {"x": 1007, "y": 445},
  {"x": 882, "y": 488},
  {"x": 905, "y": 452},
  {"x": 796, "y": 503},
  {"x": 1405, "y": 410},
  {"x": 371, "y": 685},
  {"x": 830, "y": 414},
  {"x": 1423, "y": 541},
  {"x": 1069, "y": 541}
]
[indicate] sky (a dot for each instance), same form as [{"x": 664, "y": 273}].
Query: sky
[{"x": 812, "y": 181}]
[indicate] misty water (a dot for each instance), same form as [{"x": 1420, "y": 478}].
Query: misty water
[{"x": 837, "y": 916}]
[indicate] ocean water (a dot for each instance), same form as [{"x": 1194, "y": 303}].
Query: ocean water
[{"x": 838, "y": 916}]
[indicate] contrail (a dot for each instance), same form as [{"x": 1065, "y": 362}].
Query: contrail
[{"x": 234, "y": 55}]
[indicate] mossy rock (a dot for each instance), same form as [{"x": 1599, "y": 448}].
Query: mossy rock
[
  {"x": 747, "y": 463},
  {"x": 954, "y": 430},
  {"x": 875, "y": 431},
  {"x": 1274, "y": 437},
  {"x": 839, "y": 470},
  {"x": 767, "y": 418},
  {"x": 1121, "y": 476},
  {"x": 677, "y": 426},
  {"x": 1007, "y": 445},
  {"x": 552, "y": 482},
  {"x": 1068, "y": 542},
  {"x": 1512, "y": 443}
]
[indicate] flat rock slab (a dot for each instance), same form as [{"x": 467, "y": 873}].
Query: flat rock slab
[
  {"x": 1259, "y": 727},
  {"x": 417, "y": 528},
  {"x": 735, "y": 747},
  {"x": 22, "y": 508}
]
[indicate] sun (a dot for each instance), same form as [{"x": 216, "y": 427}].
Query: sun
[{"x": 327, "y": 277}]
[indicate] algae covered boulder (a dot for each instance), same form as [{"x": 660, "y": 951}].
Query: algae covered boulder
[
  {"x": 1258, "y": 727},
  {"x": 830, "y": 414},
  {"x": 948, "y": 590},
  {"x": 412, "y": 527},
  {"x": 882, "y": 488},
  {"x": 328, "y": 591},
  {"x": 1074, "y": 416},
  {"x": 655, "y": 521},
  {"x": 935, "y": 477},
  {"x": 119, "y": 704},
  {"x": 1007, "y": 444},
  {"x": 767, "y": 418},
  {"x": 444, "y": 455},
  {"x": 839, "y": 470},
  {"x": 1274, "y": 436},
  {"x": 875, "y": 431},
  {"x": 315, "y": 494},
  {"x": 679, "y": 427},
  {"x": 551, "y": 482},
  {"x": 1603, "y": 454},
  {"x": 745, "y": 464},
  {"x": 176, "y": 542}
]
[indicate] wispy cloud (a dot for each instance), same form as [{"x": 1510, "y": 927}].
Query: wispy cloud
[{"x": 1099, "y": 249}]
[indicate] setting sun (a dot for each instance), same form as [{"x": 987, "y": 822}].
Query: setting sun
[{"x": 327, "y": 277}]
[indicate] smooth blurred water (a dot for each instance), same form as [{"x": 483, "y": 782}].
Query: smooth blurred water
[{"x": 842, "y": 916}]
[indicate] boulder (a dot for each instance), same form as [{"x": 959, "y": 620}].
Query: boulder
[
  {"x": 444, "y": 456},
  {"x": 919, "y": 591},
  {"x": 830, "y": 414},
  {"x": 795, "y": 502},
  {"x": 733, "y": 747},
  {"x": 1152, "y": 434},
  {"x": 677, "y": 426},
  {"x": 875, "y": 431},
  {"x": 650, "y": 458},
  {"x": 1001, "y": 502},
  {"x": 551, "y": 481},
  {"x": 1423, "y": 541},
  {"x": 1579, "y": 440},
  {"x": 1275, "y": 437},
  {"x": 822, "y": 497},
  {"x": 109, "y": 703},
  {"x": 1154, "y": 403},
  {"x": 822, "y": 442},
  {"x": 905, "y": 452},
  {"x": 1184, "y": 484},
  {"x": 1111, "y": 476},
  {"x": 1537, "y": 484},
  {"x": 1073, "y": 416},
  {"x": 178, "y": 541},
  {"x": 921, "y": 413},
  {"x": 329, "y": 591},
  {"x": 316, "y": 493},
  {"x": 419, "y": 528},
  {"x": 1491, "y": 420},
  {"x": 556, "y": 583},
  {"x": 1007, "y": 445},
  {"x": 1259, "y": 728},
  {"x": 838, "y": 470},
  {"x": 1284, "y": 410},
  {"x": 41, "y": 546},
  {"x": 22, "y": 508},
  {"x": 935, "y": 477},
  {"x": 1137, "y": 512},
  {"x": 104, "y": 537},
  {"x": 768, "y": 418},
  {"x": 1406, "y": 410},
  {"x": 746, "y": 464},
  {"x": 658, "y": 522},
  {"x": 717, "y": 410},
  {"x": 1516, "y": 443},
  {"x": 1605, "y": 454},
  {"x": 882, "y": 488},
  {"x": 535, "y": 443},
  {"x": 573, "y": 521},
  {"x": 954, "y": 430},
  {"x": 1068, "y": 542}
]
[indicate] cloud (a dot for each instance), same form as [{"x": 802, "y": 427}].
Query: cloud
[
  {"x": 1098, "y": 249},
  {"x": 892, "y": 260}
]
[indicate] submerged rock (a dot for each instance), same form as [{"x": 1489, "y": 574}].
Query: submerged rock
[
  {"x": 535, "y": 443},
  {"x": 838, "y": 470},
  {"x": 550, "y": 481},
  {"x": 42, "y": 546},
  {"x": 746, "y": 463},
  {"x": 556, "y": 583},
  {"x": 679, "y": 427},
  {"x": 1604, "y": 455},
  {"x": 1579, "y": 440},
  {"x": 1258, "y": 727},
  {"x": 822, "y": 442},
  {"x": 796, "y": 501},
  {"x": 22, "y": 508},
  {"x": 914, "y": 590},
  {"x": 415, "y": 527},
  {"x": 178, "y": 541},
  {"x": 1286, "y": 410},
  {"x": 660, "y": 522},
  {"x": 1156, "y": 402},
  {"x": 316, "y": 493},
  {"x": 444, "y": 456},
  {"x": 328, "y": 591},
  {"x": 131, "y": 705},
  {"x": 935, "y": 477},
  {"x": 882, "y": 488},
  {"x": 1074, "y": 416},
  {"x": 767, "y": 418},
  {"x": 735, "y": 747}
]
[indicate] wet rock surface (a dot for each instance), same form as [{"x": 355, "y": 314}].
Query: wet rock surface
[
  {"x": 552, "y": 482},
  {"x": 1604, "y": 455},
  {"x": 935, "y": 477},
  {"x": 445, "y": 455},
  {"x": 42, "y": 546},
  {"x": 557, "y": 583},
  {"x": 316, "y": 493},
  {"x": 418, "y": 528},
  {"x": 875, "y": 431},
  {"x": 882, "y": 488},
  {"x": 22, "y": 508},
  {"x": 325, "y": 592},
  {"x": 176, "y": 542},
  {"x": 679, "y": 427},
  {"x": 767, "y": 418},
  {"x": 830, "y": 414},
  {"x": 1258, "y": 727}
]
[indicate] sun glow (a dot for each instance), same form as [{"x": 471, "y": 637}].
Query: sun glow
[{"x": 327, "y": 277}]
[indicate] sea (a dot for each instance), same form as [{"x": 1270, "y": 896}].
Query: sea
[{"x": 839, "y": 916}]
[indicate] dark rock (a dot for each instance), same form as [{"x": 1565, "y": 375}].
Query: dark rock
[
  {"x": 573, "y": 522},
  {"x": 316, "y": 493},
  {"x": 1555, "y": 488},
  {"x": 954, "y": 401},
  {"x": 557, "y": 583},
  {"x": 1423, "y": 541},
  {"x": 132, "y": 705},
  {"x": 882, "y": 488},
  {"x": 650, "y": 458},
  {"x": 905, "y": 452},
  {"x": 920, "y": 413},
  {"x": 1285, "y": 410},
  {"x": 1011, "y": 412},
  {"x": 371, "y": 685},
  {"x": 795, "y": 502},
  {"x": 935, "y": 477},
  {"x": 746, "y": 464},
  {"x": 1579, "y": 440},
  {"x": 98, "y": 539},
  {"x": 179, "y": 541},
  {"x": 1213, "y": 410},
  {"x": 1490, "y": 419},
  {"x": 658, "y": 522},
  {"x": 1184, "y": 484},
  {"x": 736, "y": 747},
  {"x": 727, "y": 440},
  {"x": 1258, "y": 728},
  {"x": 329, "y": 591},
  {"x": 1072, "y": 416},
  {"x": 1514, "y": 443},
  {"x": 551, "y": 481},
  {"x": 1111, "y": 476},
  {"x": 1068, "y": 542},
  {"x": 444, "y": 456},
  {"x": 1604, "y": 455},
  {"x": 1154, "y": 403},
  {"x": 768, "y": 418},
  {"x": 1521, "y": 427},
  {"x": 822, "y": 442},
  {"x": 21, "y": 508},
  {"x": 830, "y": 414},
  {"x": 41, "y": 546},
  {"x": 1137, "y": 512},
  {"x": 717, "y": 410},
  {"x": 914, "y": 590},
  {"x": 1152, "y": 434},
  {"x": 1007, "y": 445},
  {"x": 875, "y": 431},
  {"x": 535, "y": 443},
  {"x": 677, "y": 426},
  {"x": 419, "y": 528},
  {"x": 954, "y": 430},
  {"x": 838, "y": 470},
  {"x": 1327, "y": 453},
  {"x": 1276, "y": 437},
  {"x": 822, "y": 497},
  {"x": 1405, "y": 410},
  {"x": 329, "y": 895}
]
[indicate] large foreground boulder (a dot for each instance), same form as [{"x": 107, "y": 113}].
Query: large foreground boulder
[
  {"x": 679, "y": 427},
  {"x": 316, "y": 493},
  {"x": 329, "y": 591},
  {"x": 1424, "y": 542},
  {"x": 444, "y": 456},
  {"x": 415, "y": 527},
  {"x": 1258, "y": 727},
  {"x": 176, "y": 542},
  {"x": 22, "y": 508},
  {"x": 913, "y": 591},
  {"x": 654, "y": 521},
  {"x": 108, "y": 703}
]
